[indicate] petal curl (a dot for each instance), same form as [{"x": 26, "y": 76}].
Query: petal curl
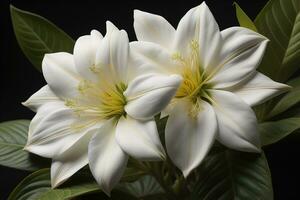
[{"x": 149, "y": 94}]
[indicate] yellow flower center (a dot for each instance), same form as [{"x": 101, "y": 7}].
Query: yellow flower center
[
  {"x": 101, "y": 100},
  {"x": 194, "y": 84}
]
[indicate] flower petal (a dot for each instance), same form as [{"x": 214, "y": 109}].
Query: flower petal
[
  {"x": 41, "y": 97},
  {"x": 60, "y": 74},
  {"x": 85, "y": 50},
  {"x": 154, "y": 91},
  {"x": 139, "y": 139},
  {"x": 53, "y": 130},
  {"x": 72, "y": 160},
  {"x": 153, "y": 28},
  {"x": 188, "y": 139},
  {"x": 200, "y": 26},
  {"x": 237, "y": 122},
  {"x": 119, "y": 46},
  {"x": 148, "y": 57},
  {"x": 258, "y": 89},
  {"x": 241, "y": 53},
  {"x": 107, "y": 160}
]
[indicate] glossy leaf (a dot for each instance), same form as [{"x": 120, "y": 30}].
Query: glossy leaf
[
  {"x": 228, "y": 174},
  {"x": 243, "y": 19},
  {"x": 272, "y": 132},
  {"x": 13, "y": 136},
  {"x": 289, "y": 99},
  {"x": 37, "y": 36},
  {"x": 279, "y": 21},
  {"x": 144, "y": 188},
  {"x": 37, "y": 186}
]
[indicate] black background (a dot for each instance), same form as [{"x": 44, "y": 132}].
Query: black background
[{"x": 19, "y": 79}]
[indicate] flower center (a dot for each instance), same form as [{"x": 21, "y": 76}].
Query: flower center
[
  {"x": 194, "y": 85},
  {"x": 101, "y": 100}
]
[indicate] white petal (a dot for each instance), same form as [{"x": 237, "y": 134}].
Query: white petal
[
  {"x": 258, "y": 89},
  {"x": 72, "y": 160},
  {"x": 148, "y": 95},
  {"x": 85, "y": 50},
  {"x": 119, "y": 45},
  {"x": 60, "y": 74},
  {"x": 153, "y": 28},
  {"x": 237, "y": 122},
  {"x": 187, "y": 31},
  {"x": 189, "y": 139},
  {"x": 139, "y": 139},
  {"x": 107, "y": 160},
  {"x": 52, "y": 130},
  {"x": 209, "y": 38},
  {"x": 110, "y": 27},
  {"x": 241, "y": 53},
  {"x": 148, "y": 57},
  {"x": 200, "y": 26},
  {"x": 41, "y": 97}
]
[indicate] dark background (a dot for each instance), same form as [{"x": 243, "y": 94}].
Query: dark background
[{"x": 19, "y": 79}]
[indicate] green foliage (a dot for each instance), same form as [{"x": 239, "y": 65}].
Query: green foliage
[
  {"x": 243, "y": 19},
  {"x": 272, "y": 132},
  {"x": 37, "y": 186},
  {"x": 144, "y": 188},
  {"x": 279, "y": 21},
  {"x": 227, "y": 174},
  {"x": 38, "y": 36},
  {"x": 13, "y": 137},
  {"x": 289, "y": 100}
]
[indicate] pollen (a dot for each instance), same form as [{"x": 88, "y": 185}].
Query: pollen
[
  {"x": 100, "y": 101},
  {"x": 194, "y": 84}
]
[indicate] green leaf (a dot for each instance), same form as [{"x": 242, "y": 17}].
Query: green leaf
[
  {"x": 290, "y": 99},
  {"x": 280, "y": 22},
  {"x": 272, "y": 132},
  {"x": 132, "y": 174},
  {"x": 243, "y": 19},
  {"x": 13, "y": 137},
  {"x": 37, "y": 186},
  {"x": 38, "y": 36},
  {"x": 144, "y": 188},
  {"x": 228, "y": 174}
]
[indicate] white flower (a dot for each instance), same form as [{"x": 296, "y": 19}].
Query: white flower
[
  {"x": 96, "y": 109},
  {"x": 220, "y": 82}
]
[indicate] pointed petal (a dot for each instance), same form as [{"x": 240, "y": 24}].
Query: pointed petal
[
  {"x": 72, "y": 160},
  {"x": 258, "y": 89},
  {"x": 200, "y": 26},
  {"x": 209, "y": 38},
  {"x": 152, "y": 90},
  {"x": 41, "y": 97},
  {"x": 107, "y": 160},
  {"x": 187, "y": 31},
  {"x": 188, "y": 139},
  {"x": 153, "y": 28},
  {"x": 119, "y": 45},
  {"x": 139, "y": 139},
  {"x": 148, "y": 57},
  {"x": 85, "y": 50},
  {"x": 52, "y": 130},
  {"x": 237, "y": 122},
  {"x": 60, "y": 74},
  {"x": 110, "y": 27},
  {"x": 241, "y": 52}
]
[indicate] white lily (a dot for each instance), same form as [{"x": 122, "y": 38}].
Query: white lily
[
  {"x": 96, "y": 109},
  {"x": 220, "y": 82}
]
